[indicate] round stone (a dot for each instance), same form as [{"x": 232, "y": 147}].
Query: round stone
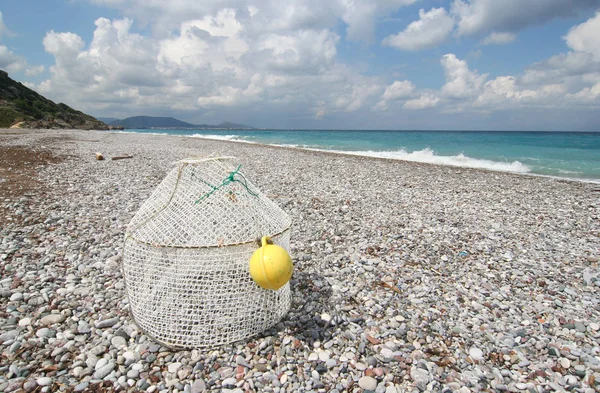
[
  {"x": 16, "y": 297},
  {"x": 51, "y": 319},
  {"x": 594, "y": 326},
  {"x": 44, "y": 381},
  {"x": 323, "y": 356},
  {"x": 25, "y": 322},
  {"x": 104, "y": 371},
  {"x": 565, "y": 363},
  {"x": 101, "y": 363},
  {"x": 118, "y": 342},
  {"x": 476, "y": 353},
  {"x": 367, "y": 383},
  {"x": 173, "y": 367}
]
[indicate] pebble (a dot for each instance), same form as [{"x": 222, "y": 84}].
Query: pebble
[
  {"x": 44, "y": 381},
  {"x": 387, "y": 353},
  {"x": 476, "y": 353},
  {"x": 565, "y": 363},
  {"x": 8, "y": 336},
  {"x": 25, "y": 322},
  {"x": 30, "y": 385},
  {"x": 51, "y": 319},
  {"x": 367, "y": 383},
  {"x": 104, "y": 370},
  {"x": 81, "y": 386},
  {"x": 229, "y": 382},
  {"x": 16, "y": 297},
  {"x": 118, "y": 342},
  {"x": 107, "y": 323},
  {"x": 198, "y": 386},
  {"x": 500, "y": 283}
]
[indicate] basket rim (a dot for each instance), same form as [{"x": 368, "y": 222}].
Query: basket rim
[{"x": 195, "y": 160}]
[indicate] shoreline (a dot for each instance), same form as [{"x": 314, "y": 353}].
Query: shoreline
[
  {"x": 351, "y": 153},
  {"x": 408, "y": 276}
]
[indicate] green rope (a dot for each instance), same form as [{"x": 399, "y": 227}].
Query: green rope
[{"x": 228, "y": 180}]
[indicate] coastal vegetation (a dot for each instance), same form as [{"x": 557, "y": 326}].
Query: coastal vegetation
[{"x": 22, "y": 107}]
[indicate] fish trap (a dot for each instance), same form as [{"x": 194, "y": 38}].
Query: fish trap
[{"x": 187, "y": 252}]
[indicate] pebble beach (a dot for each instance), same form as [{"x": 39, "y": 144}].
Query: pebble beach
[{"x": 408, "y": 277}]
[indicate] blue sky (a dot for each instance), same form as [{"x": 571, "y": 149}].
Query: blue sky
[{"x": 390, "y": 64}]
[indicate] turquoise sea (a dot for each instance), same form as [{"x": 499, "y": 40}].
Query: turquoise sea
[{"x": 573, "y": 155}]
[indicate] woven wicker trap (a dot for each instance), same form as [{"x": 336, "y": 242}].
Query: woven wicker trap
[{"x": 186, "y": 254}]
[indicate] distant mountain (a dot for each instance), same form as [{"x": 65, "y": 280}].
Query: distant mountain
[
  {"x": 107, "y": 120},
  {"x": 24, "y": 108},
  {"x": 228, "y": 124},
  {"x": 150, "y": 122},
  {"x": 169, "y": 122}
]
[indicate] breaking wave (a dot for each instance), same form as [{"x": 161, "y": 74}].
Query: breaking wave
[
  {"x": 428, "y": 156},
  {"x": 235, "y": 138}
]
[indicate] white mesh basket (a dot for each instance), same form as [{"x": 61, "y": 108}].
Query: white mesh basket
[{"x": 186, "y": 256}]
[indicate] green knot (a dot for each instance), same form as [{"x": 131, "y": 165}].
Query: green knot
[{"x": 231, "y": 178}]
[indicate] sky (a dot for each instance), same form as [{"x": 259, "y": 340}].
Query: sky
[{"x": 336, "y": 64}]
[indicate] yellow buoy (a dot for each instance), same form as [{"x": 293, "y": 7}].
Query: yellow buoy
[{"x": 271, "y": 265}]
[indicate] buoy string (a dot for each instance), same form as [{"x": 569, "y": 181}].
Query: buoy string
[
  {"x": 262, "y": 263},
  {"x": 231, "y": 178}
]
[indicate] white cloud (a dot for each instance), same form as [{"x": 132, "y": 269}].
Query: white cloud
[
  {"x": 214, "y": 62},
  {"x": 10, "y": 61},
  {"x": 303, "y": 51},
  {"x": 63, "y": 45},
  {"x": 423, "y": 102},
  {"x": 586, "y": 37},
  {"x": 460, "y": 80},
  {"x": 483, "y": 16},
  {"x": 361, "y": 15},
  {"x": 398, "y": 89},
  {"x": 499, "y": 38},
  {"x": 575, "y": 69},
  {"x": 34, "y": 70},
  {"x": 587, "y": 96},
  {"x": 429, "y": 31}
]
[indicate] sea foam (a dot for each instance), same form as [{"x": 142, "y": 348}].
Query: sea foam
[{"x": 428, "y": 156}]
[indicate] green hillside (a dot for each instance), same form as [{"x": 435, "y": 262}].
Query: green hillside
[{"x": 20, "y": 104}]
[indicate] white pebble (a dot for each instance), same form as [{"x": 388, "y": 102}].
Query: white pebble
[
  {"x": 367, "y": 383},
  {"x": 44, "y": 381},
  {"x": 476, "y": 353}
]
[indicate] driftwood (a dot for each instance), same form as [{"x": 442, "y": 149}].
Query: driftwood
[{"x": 120, "y": 158}]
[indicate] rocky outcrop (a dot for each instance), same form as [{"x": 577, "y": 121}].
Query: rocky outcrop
[{"x": 22, "y": 107}]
